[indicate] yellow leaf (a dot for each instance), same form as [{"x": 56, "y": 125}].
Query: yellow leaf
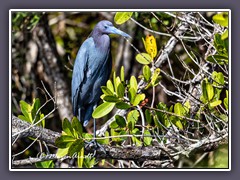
[{"x": 151, "y": 45}]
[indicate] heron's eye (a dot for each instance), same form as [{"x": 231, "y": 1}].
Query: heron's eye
[{"x": 105, "y": 27}]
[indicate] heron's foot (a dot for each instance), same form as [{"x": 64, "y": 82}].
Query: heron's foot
[{"x": 95, "y": 145}]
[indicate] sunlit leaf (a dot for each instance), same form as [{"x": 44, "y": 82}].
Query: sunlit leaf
[
  {"x": 147, "y": 140},
  {"x": 133, "y": 83},
  {"x": 221, "y": 19},
  {"x": 110, "y": 86},
  {"x": 132, "y": 118},
  {"x": 122, "y": 74},
  {"x": 122, "y": 17},
  {"x": 218, "y": 78},
  {"x": 144, "y": 58},
  {"x": 215, "y": 103},
  {"x": 225, "y": 101},
  {"x": 80, "y": 158},
  {"x": 224, "y": 35},
  {"x": 103, "y": 109},
  {"x": 155, "y": 76},
  {"x": 61, "y": 152},
  {"x": 146, "y": 73},
  {"x": 138, "y": 98}
]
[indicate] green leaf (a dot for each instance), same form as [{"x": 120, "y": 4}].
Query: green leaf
[
  {"x": 35, "y": 106},
  {"x": 147, "y": 140},
  {"x": 61, "y": 152},
  {"x": 179, "y": 109},
  {"x": 104, "y": 141},
  {"x": 138, "y": 98},
  {"x": 215, "y": 103},
  {"x": 135, "y": 140},
  {"x": 131, "y": 94},
  {"x": 162, "y": 116},
  {"x": 23, "y": 118},
  {"x": 207, "y": 89},
  {"x": 117, "y": 81},
  {"x": 111, "y": 99},
  {"x": 122, "y": 105},
  {"x": 110, "y": 86},
  {"x": 114, "y": 133},
  {"x": 77, "y": 126},
  {"x": 144, "y": 58},
  {"x": 64, "y": 141},
  {"x": 120, "y": 90},
  {"x": 155, "y": 76},
  {"x": 204, "y": 89},
  {"x": 114, "y": 81},
  {"x": 45, "y": 164},
  {"x": 122, "y": 17},
  {"x": 89, "y": 162},
  {"x": 43, "y": 120},
  {"x": 148, "y": 116},
  {"x": 87, "y": 136},
  {"x": 221, "y": 19},
  {"x": 76, "y": 146},
  {"x": 187, "y": 106},
  {"x": 106, "y": 91},
  {"x": 133, "y": 83},
  {"x": 224, "y": 117},
  {"x": 26, "y": 110},
  {"x": 123, "y": 132},
  {"x": 67, "y": 127},
  {"x": 218, "y": 78},
  {"x": 146, "y": 73},
  {"x": 156, "y": 121},
  {"x": 103, "y": 109},
  {"x": 210, "y": 91},
  {"x": 122, "y": 74},
  {"x": 120, "y": 121},
  {"x": 113, "y": 125},
  {"x": 177, "y": 122},
  {"x": 220, "y": 59},
  {"x": 132, "y": 118},
  {"x": 224, "y": 35},
  {"x": 225, "y": 101},
  {"x": 80, "y": 158},
  {"x": 221, "y": 45}
]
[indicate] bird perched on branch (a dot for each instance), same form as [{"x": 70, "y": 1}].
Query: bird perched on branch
[{"x": 91, "y": 70}]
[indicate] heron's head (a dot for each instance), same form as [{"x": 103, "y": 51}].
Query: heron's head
[{"x": 106, "y": 27}]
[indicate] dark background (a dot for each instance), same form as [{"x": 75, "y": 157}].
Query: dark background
[{"x": 4, "y": 87}]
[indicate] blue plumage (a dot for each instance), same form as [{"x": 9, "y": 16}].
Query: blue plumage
[{"x": 91, "y": 70}]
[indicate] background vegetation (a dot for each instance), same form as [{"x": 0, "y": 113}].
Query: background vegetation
[{"x": 168, "y": 91}]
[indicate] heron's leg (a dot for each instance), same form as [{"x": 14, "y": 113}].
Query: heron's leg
[{"x": 94, "y": 141}]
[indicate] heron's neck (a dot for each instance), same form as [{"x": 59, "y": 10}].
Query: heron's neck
[{"x": 102, "y": 42}]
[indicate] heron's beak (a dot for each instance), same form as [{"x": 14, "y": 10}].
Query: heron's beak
[{"x": 113, "y": 30}]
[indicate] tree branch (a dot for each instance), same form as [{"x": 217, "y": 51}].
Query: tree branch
[{"x": 167, "y": 153}]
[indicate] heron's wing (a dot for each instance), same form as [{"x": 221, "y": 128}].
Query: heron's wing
[{"x": 79, "y": 73}]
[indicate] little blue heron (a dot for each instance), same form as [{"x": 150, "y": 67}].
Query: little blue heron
[{"x": 91, "y": 70}]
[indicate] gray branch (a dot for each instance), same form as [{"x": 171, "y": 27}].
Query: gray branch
[{"x": 140, "y": 154}]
